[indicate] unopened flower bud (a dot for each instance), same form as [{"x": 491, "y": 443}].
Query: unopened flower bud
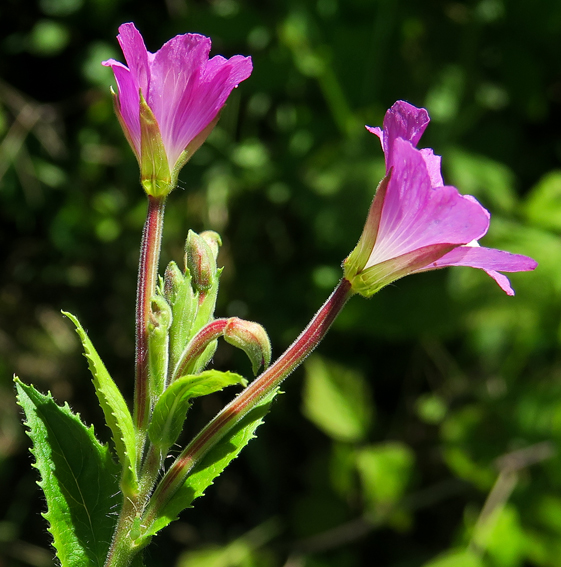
[
  {"x": 200, "y": 261},
  {"x": 252, "y": 339},
  {"x": 213, "y": 240},
  {"x": 173, "y": 282}
]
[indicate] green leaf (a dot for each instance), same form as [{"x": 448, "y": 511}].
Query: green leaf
[
  {"x": 117, "y": 415},
  {"x": 212, "y": 465},
  {"x": 78, "y": 477},
  {"x": 337, "y": 400},
  {"x": 179, "y": 293},
  {"x": 171, "y": 409}
]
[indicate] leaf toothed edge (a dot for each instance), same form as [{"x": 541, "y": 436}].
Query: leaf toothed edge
[
  {"x": 77, "y": 476},
  {"x": 211, "y": 466},
  {"x": 115, "y": 409}
]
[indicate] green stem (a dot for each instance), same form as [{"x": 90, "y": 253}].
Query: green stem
[
  {"x": 147, "y": 276},
  {"x": 247, "y": 400}
]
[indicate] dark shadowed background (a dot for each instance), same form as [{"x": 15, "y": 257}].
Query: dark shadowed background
[{"x": 425, "y": 430}]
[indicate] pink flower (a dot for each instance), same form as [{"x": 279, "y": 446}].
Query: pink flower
[
  {"x": 416, "y": 223},
  {"x": 169, "y": 101}
]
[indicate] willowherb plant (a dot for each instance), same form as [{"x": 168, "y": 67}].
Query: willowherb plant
[{"x": 167, "y": 103}]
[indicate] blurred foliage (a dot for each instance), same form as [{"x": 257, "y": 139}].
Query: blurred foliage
[{"x": 425, "y": 430}]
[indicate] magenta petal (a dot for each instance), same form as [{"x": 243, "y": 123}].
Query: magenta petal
[
  {"x": 434, "y": 168},
  {"x": 416, "y": 215},
  {"x": 136, "y": 55},
  {"x": 176, "y": 73},
  {"x": 128, "y": 103},
  {"x": 402, "y": 120},
  {"x": 200, "y": 105},
  {"x": 502, "y": 281},
  {"x": 488, "y": 259}
]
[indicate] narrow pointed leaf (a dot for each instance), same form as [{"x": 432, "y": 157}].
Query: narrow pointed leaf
[
  {"x": 212, "y": 465},
  {"x": 78, "y": 478},
  {"x": 171, "y": 409},
  {"x": 180, "y": 295},
  {"x": 207, "y": 304},
  {"x": 117, "y": 414}
]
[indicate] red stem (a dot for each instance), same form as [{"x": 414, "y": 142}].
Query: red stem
[
  {"x": 197, "y": 345},
  {"x": 223, "y": 422},
  {"x": 147, "y": 275}
]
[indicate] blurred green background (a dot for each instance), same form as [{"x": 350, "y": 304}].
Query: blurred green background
[{"x": 425, "y": 430}]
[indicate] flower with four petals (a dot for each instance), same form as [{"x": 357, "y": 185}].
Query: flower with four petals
[{"x": 169, "y": 101}]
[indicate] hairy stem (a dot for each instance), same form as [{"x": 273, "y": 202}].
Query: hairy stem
[
  {"x": 126, "y": 541},
  {"x": 147, "y": 276}
]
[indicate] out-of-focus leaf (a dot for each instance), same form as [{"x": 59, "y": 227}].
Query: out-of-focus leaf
[
  {"x": 549, "y": 512},
  {"x": 242, "y": 552},
  {"x": 456, "y": 558},
  {"x": 384, "y": 470},
  {"x": 431, "y": 408},
  {"x": 543, "y": 203},
  {"x": 482, "y": 177},
  {"x": 457, "y": 430},
  {"x": 78, "y": 477},
  {"x": 337, "y": 400},
  {"x": 502, "y": 536}
]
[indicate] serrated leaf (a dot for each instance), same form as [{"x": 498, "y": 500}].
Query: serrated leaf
[
  {"x": 212, "y": 465},
  {"x": 117, "y": 414},
  {"x": 78, "y": 477},
  {"x": 171, "y": 409}
]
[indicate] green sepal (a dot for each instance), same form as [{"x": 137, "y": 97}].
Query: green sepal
[
  {"x": 117, "y": 414},
  {"x": 171, "y": 409},
  {"x": 213, "y": 463},
  {"x": 373, "y": 279},
  {"x": 78, "y": 478},
  {"x": 358, "y": 258},
  {"x": 155, "y": 174}
]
